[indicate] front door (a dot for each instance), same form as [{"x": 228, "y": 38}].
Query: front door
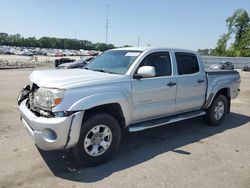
[{"x": 154, "y": 97}]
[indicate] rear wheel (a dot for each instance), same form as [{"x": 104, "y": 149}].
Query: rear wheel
[
  {"x": 99, "y": 140},
  {"x": 217, "y": 111}
]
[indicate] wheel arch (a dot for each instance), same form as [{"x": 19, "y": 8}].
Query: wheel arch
[
  {"x": 225, "y": 91},
  {"x": 113, "y": 103},
  {"x": 113, "y": 109}
]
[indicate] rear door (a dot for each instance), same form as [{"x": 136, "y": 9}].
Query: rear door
[
  {"x": 154, "y": 97},
  {"x": 191, "y": 82}
]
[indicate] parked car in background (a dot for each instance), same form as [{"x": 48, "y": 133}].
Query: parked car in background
[
  {"x": 246, "y": 67},
  {"x": 75, "y": 64},
  {"x": 29, "y": 51},
  {"x": 63, "y": 60},
  {"x": 1, "y": 51},
  {"x": 26, "y": 53},
  {"x": 8, "y": 52},
  {"x": 222, "y": 66},
  {"x": 93, "y": 53}
]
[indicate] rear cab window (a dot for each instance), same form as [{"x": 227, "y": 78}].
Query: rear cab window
[{"x": 187, "y": 63}]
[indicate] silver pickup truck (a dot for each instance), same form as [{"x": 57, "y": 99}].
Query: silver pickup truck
[{"x": 128, "y": 88}]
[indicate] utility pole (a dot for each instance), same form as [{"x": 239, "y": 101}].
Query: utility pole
[
  {"x": 107, "y": 22},
  {"x": 138, "y": 41},
  {"x": 75, "y": 35}
]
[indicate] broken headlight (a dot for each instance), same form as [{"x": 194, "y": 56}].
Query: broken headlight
[{"x": 48, "y": 98}]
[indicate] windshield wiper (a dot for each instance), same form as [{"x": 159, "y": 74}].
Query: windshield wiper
[
  {"x": 86, "y": 68},
  {"x": 101, "y": 70}
]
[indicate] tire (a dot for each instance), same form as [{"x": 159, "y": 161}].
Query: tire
[
  {"x": 99, "y": 140},
  {"x": 217, "y": 111}
]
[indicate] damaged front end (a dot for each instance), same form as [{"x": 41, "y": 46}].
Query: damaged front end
[
  {"x": 24, "y": 94},
  {"x": 28, "y": 92},
  {"x": 48, "y": 130}
]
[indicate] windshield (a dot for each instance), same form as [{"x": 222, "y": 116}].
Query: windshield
[{"x": 116, "y": 61}]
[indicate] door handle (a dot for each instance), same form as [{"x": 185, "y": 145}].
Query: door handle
[
  {"x": 200, "y": 81},
  {"x": 171, "y": 84}
]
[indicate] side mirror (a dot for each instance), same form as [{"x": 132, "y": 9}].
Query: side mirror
[{"x": 145, "y": 72}]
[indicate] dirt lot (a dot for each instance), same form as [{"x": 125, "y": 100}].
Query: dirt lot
[{"x": 185, "y": 154}]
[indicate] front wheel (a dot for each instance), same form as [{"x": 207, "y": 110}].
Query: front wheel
[
  {"x": 99, "y": 140},
  {"x": 217, "y": 111}
]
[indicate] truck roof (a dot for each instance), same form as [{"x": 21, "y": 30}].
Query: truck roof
[{"x": 154, "y": 49}]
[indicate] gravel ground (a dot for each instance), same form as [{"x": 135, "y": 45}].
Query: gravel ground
[{"x": 185, "y": 154}]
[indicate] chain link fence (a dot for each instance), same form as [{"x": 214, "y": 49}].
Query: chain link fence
[
  {"x": 17, "y": 62},
  {"x": 238, "y": 62}
]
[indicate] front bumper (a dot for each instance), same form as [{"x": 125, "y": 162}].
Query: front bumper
[{"x": 52, "y": 133}]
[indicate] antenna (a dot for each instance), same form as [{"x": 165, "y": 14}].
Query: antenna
[
  {"x": 138, "y": 41},
  {"x": 107, "y": 23}
]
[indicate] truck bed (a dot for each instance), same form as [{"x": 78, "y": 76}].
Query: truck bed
[
  {"x": 229, "y": 78},
  {"x": 213, "y": 72}
]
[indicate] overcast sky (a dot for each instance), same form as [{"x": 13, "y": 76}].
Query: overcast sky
[{"x": 190, "y": 24}]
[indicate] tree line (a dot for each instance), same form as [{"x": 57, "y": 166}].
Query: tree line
[
  {"x": 238, "y": 31},
  {"x": 52, "y": 42}
]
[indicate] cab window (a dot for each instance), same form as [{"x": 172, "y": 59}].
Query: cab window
[
  {"x": 187, "y": 63},
  {"x": 160, "y": 61}
]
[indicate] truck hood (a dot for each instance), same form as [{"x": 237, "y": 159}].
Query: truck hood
[{"x": 69, "y": 77}]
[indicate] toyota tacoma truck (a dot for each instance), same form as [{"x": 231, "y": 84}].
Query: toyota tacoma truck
[{"x": 127, "y": 88}]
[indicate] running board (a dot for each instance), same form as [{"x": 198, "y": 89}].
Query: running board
[{"x": 163, "y": 121}]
